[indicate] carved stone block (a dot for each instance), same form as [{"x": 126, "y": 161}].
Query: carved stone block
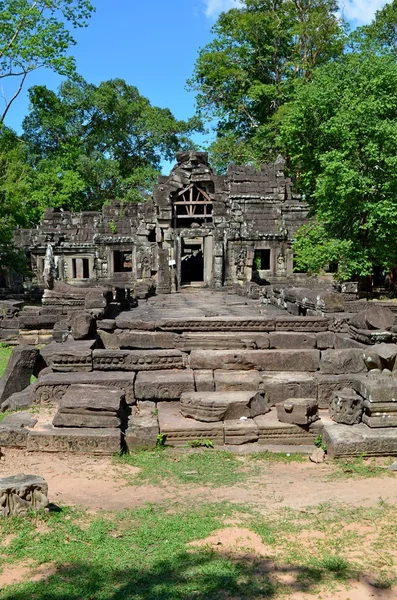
[
  {"x": 240, "y": 432},
  {"x": 298, "y": 411},
  {"x": 234, "y": 381},
  {"x": 346, "y": 407},
  {"x": 79, "y": 440},
  {"x": 22, "y": 493},
  {"x": 137, "y": 360},
  {"x": 280, "y": 386},
  {"x": 163, "y": 385},
  {"x": 336, "y": 362},
  {"x": 220, "y": 406}
]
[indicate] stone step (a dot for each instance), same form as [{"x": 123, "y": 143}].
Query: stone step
[
  {"x": 354, "y": 440},
  {"x": 222, "y": 406},
  {"x": 261, "y": 360},
  {"x": 138, "y": 360},
  {"x": 48, "y": 438}
]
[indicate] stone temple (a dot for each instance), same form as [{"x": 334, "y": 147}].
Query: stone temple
[
  {"x": 199, "y": 228},
  {"x": 180, "y": 319}
]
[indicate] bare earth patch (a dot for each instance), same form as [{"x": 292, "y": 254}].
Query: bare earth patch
[
  {"x": 25, "y": 571},
  {"x": 239, "y": 542}
]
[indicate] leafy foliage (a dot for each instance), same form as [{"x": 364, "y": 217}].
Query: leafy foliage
[{"x": 34, "y": 34}]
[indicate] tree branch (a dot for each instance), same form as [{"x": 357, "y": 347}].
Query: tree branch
[{"x": 8, "y": 104}]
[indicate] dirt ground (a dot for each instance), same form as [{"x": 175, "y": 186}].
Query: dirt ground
[{"x": 96, "y": 483}]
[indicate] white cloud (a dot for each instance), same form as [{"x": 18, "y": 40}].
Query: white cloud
[
  {"x": 360, "y": 12},
  {"x": 214, "y": 7}
]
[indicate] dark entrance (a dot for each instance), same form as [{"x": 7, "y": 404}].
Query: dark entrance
[{"x": 192, "y": 261}]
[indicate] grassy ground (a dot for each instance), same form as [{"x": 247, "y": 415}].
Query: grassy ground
[
  {"x": 5, "y": 353},
  {"x": 144, "y": 554}
]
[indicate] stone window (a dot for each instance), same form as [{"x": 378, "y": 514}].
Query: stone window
[
  {"x": 262, "y": 260},
  {"x": 80, "y": 268},
  {"x": 122, "y": 261}
]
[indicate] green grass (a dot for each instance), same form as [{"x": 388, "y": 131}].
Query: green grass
[
  {"x": 361, "y": 467},
  {"x": 5, "y": 353},
  {"x": 143, "y": 554}
]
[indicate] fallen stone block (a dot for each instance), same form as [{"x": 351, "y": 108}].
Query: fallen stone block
[
  {"x": 138, "y": 360},
  {"x": 79, "y": 440},
  {"x": 292, "y": 340},
  {"x": 143, "y": 429},
  {"x": 219, "y": 406},
  {"x": 20, "y": 494},
  {"x": 19, "y": 419},
  {"x": 83, "y": 326},
  {"x": 69, "y": 356},
  {"x": 19, "y": 399},
  {"x": 374, "y": 317},
  {"x": 346, "y": 407},
  {"x": 379, "y": 389},
  {"x": 229, "y": 381},
  {"x": 327, "y": 384},
  {"x": 179, "y": 430},
  {"x": 109, "y": 340},
  {"x": 344, "y": 441},
  {"x": 336, "y": 362},
  {"x": 239, "y": 432},
  {"x": 299, "y": 411},
  {"x": 18, "y": 372},
  {"x": 280, "y": 386},
  {"x": 163, "y": 385},
  {"x": 384, "y": 419}
]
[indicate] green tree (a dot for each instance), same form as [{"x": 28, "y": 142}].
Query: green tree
[
  {"x": 247, "y": 72},
  {"x": 91, "y": 144},
  {"x": 34, "y": 34},
  {"x": 340, "y": 135}
]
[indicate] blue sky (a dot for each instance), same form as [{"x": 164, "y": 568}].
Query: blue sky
[{"x": 153, "y": 45}]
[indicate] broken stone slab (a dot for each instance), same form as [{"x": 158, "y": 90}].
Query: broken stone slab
[
  {"x": 19, "y": 399},
  {"x": 213, "y": 340},
  {"x": 239, "y": 432},
  {"x": 108, "y": 325},
  {"x": 346, "y": 407},
  {"x": 143, "y": 429},
  {"x": 387, "y": 352},
  {"x": 379, "y": 389},
  {"x": 69, "y": 356},
  {"x": 179, "y": 430},
  {"x": 127, "y": 321},
  {"x": 155, "y": 340},
  {"x": 345, "y": 342},
  {"x": 13, "y": 437},
  {"x": 83, "y": 326},
  {"x": 229, "y": 381},
  {"x": 261, "y": 360},
  {"x": 109, "y": 340},
  {"x": 327, "y": 384},
  {"x": 280, "y": 386},
  {"x": 219, "y": 406},
  {"x": 374, "y": 317},
  {"x": 89, "y": 420},
  {"x": 94, "y": 398},
  {"x": 336, "y": 362},
  {"x": 19, "y": 419},
  {"x": 292, "y": 340},
  {"x": 384, "y": 419},
  {"x": 163, "y": 385},
  {"x": 298, "y": 411},
  {"x": 20, "y": 494},
  {"x": 19, "y": 370},
  {"x": 204, "y": 380},
  {"x": 48, "y": 438},
  {"x": 344, "y": 441},
  {"x": 138, "y": 360},
  {"x": 272, "y": 431},
  {"x": 49, "y": 389}
]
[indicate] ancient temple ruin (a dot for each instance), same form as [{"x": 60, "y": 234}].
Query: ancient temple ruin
[{"x": 199, "y": 228}]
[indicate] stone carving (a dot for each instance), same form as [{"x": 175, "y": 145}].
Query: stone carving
[
  {"x": 240, "y": 261},
  {"x": 21, "y": 493},
  {"x": 137, "y": 360},
  {"x": 49, "y": 272},
  {"x": 281, "y": 264},
  {"x": 346, "y": 407},
  {"x": 222, "y": 406}
]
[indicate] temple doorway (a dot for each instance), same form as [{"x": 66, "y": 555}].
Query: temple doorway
[{"x": 192, "y": 261}]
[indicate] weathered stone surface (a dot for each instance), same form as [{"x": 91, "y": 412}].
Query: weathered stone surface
[
  {"x": 344, "y": 441},
  {"x": 374, "y": 317},
  {"x": 127, "y": 321},
  {"x": 79, "y": 440},
  {"x": 13, "y": 437},
  {"x": 19, "y": 399},
  {"x": 299, "y": 411},
  {"x": 216, "y": 324},
  {"x": 220, "y": 406},
  {"x": 70, "y": 356},
  {"x": 143, "y": 429},
  {"x": 337, "y": 362},
  {"x": 108, "y": 325},
  {"x": 83, "y": 326},
  {"x": 271, "y": 431},
  {"x": 325, "y": 340},
  {"x": 383, "y": 419},
  {"x": 96, "y": 299},
  {"x": 109, "y": 340},
  {"x": 180, "y": 430},
  {"x": 93, "y": 420},
  {"x": 163, "y": 385},
  {"x": 304, "y": 324},
  {"x": 49, "y": 389},
  {"x": 280, "y": 386},
  {"x": 346, "y": 407},
  {"x": 18, "y": 372},
  {"x": 20, "y": 494},
  {"x": 262, "y": 360},
  {"x": 292, "y": 340},
  {"x": 237, "y": 381},
  {"x": 147, "y": 340},
  {"x": 387, "y": 352},
  {"x": 138, "y": 360},
  {"x": 379, "y": 389},
  {"x": 372, "y": 360},
  {"x": 344, "y": 342},
  {"x": 204, "y": 380},
  {"x": 94, "y": 398},
  {"x": 19, "y": 419},
  {"x": 222, "y": 341},
  {"x": 240, "y": 432},
  {"x": 318, "y": 456},
  {"x": 327, "y": 384}
]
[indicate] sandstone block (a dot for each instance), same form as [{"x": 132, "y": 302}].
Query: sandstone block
[
  {"x": 380, "y": 389},
  {"x": 262, "y": 360},
  {"x": 374, "y": 317},
  {"x": 18, "y": 372},
  {"x": 272, "y": 431},
  {"x": 222, "y": 341},
  {"x": 336, "y": 362},
  {"x": 13, "y": 437},
  {"x": 327, "y": 384},
  {"x": 325, "y": 340},
  {"x": 138, "y": 360},
  {"x": 19, "y": 399},
  {"x": 109, "y": 340},
  {"x": 163, "y": 385},
  {"x": 91, "y": 421},
  {"x": 180, "y": 430},
  {"x": 20, "y": 494},
  {"x": 70, "y": 356},
  {"x": 237, "y": 381},
  {"x": 240, "y": 432},
  {"x": 344, "y": 441},
  {"x": 299, "y": 411},
  {"x": 219, "y": 406},
  {"x": 73, "y": 439},
  {"x": 346, "y": 407},
  {"x": 204, "y": 380},
  {"x": 147, "y": 340},
  {"x": 83, "y": 326},
  {"x": 292, "y": 340},
  {"x": 280, "y": 386},
  {"x": 143, "y": 429}
]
